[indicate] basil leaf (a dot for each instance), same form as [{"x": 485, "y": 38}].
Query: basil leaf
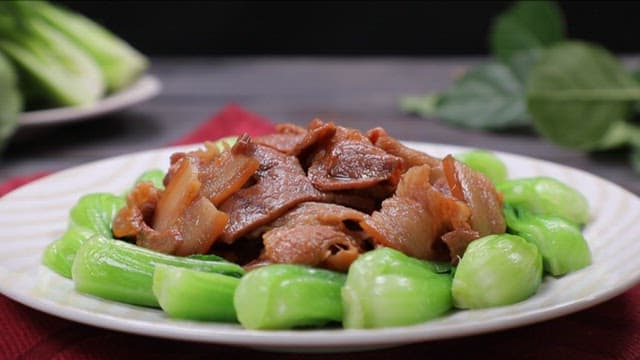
[
  {"x": 489, "y": 96},
  {"x": 580, "y": 96},
  {"x": 424, "y": 106},
  {"x": 527, "y": 25}
]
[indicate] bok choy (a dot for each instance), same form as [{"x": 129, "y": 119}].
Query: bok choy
[
  {"x": 387, "y": 288},
  {"x": 54, "y": 70},
  {"x": 284, "y": 296},
  {"x": 116, "y": 270},
  {"x": 119, "y": 63},
  {"x": 64, "y": 58}
]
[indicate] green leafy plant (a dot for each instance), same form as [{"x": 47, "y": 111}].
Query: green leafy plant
[
  {"x": 575, "y": 94},
  {"x": 488, "y": 96},
  {"x": 580, "y": 96},
  {"x": 526, "y": 26}
]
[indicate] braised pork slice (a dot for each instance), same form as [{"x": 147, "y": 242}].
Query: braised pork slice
[
  {"x": 176, "y": 220},
  {"x": 285, "y": 139},
  {"x": 380, "y": 138},
  {"x": 480, "y": 195},
  {"x": 416, "y": 217},
  {"x": 181, "y": 191},
  {"x": 225, "y": 174},
  {"x": 304, "y": 195},
  {"x": 317, "y": 213},
  {"x": 340, "y": 217},
  {"x": 294, "y": 140},
  {"x": 457, "y": 242},
  {"x": 280, "y": 184},
  {"x": 313, "y": 245},
  {"x": 361, "y": 200},
  {"x": 200, "y": 225},
  {"x": 348, "y": 160},
  {"x": 333, "y": 227},
  {"x": 193, "y": 232},
  {"x": 199, "y": 157},
  {"x": 141, "y": 203}
]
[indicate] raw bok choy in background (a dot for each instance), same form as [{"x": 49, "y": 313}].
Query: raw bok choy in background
[
  {"x": 60, "y": 58},
  {"x": 576, "y": 94}
]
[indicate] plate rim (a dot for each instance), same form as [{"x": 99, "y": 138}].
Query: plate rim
[
  {"x": 144, "y": 88},
  {"x": 307, "y": 339}
]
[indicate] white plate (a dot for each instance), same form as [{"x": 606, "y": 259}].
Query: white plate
[
  {"x": 145, "y": 88},
  {"x": 34, "y": 215}
]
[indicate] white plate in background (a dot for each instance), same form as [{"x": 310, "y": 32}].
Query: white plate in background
[
  {"x": 35, "y": 215},
  {"x": 143, "y": 89}
]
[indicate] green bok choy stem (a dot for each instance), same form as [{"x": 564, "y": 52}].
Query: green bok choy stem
[
  {"x": 54, "y": 70},
  {"x": 120, "y": 271},
  {"x": 560, "y": 242},
  {"x": 119, "y": 63},
  {"x": 388, "y": 288},
  {"x": 91, "y": 215},
  {"x": 284, "y": 296},
  {"x": 195, "y": 295},
  {"x": 496, "y": 270},
  {"x": 485, "y": 162},
  {"x": 545, "y": 196}
]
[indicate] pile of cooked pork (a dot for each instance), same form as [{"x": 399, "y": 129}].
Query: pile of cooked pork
[{"x": 318, "y": 196}]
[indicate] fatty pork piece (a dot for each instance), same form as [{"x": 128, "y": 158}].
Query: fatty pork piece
[
  {"x": 320, "y": 213},
  {"x": 285, "y": 139},
  {"x": 183, "y": 219},
  {"x": 220, "y": 173},
  {"x": 415, "y": 219},
  {"x": 278, "y": 185},
  {"x": 314, "y": 245},
  {"x": 380, "y": 138},
  {"x": 315, "y": 234},
  {"x": 348, "y": 160},
  {"x": 480, "y": 195},
  {"x": 452, "y": 177},
  {"x": 294, "y": 140},
  {"x": 173, "y": 221},
  {"x": 224, "y": 175}
]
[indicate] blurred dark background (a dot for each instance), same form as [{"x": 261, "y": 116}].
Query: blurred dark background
[{"x": 340, "y": 27}]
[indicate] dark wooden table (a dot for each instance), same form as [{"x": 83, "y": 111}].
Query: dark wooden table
[{"x": 355, "y": 92}]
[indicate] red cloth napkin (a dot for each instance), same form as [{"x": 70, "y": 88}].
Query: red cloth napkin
[
  {"x": 607, "y": 331},
  {"x": 231, "y": 120}
]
